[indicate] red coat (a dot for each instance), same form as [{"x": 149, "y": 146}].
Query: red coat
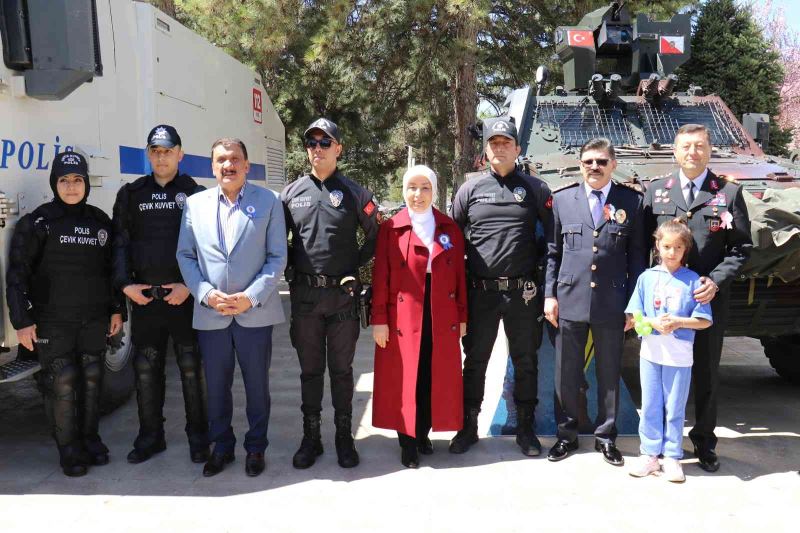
[{"x": 398, "y": 296}]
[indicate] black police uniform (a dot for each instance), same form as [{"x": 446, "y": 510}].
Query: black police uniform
[
  {"x": 592, "y": 270},
  {"x": 499, "y": 216},
  {"x": 59, "y": 279},
  {"x": 147, "y": 220},
  {"x": 323, "y": 218},
  {"x": 718, "y": 252}
]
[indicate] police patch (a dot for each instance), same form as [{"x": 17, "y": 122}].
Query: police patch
[
  {"x": 102, "y": 237},
  {"x": 180, "y": 199},
  {"x": 68, "y": 158},
  {"x": 519, "y": 193},
  {"x": 501, "y": 126},
  {"x": 159, "y": 135},
  {"x": 321, "y": 124},
  {"x": 336, "y": 197}
]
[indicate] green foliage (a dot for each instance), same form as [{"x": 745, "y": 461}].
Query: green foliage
[
  {"x": 388, "y": 71},
  {"x": 731, "y": 57}
]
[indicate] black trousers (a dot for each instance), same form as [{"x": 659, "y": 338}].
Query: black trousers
[
  {"x": 72, "y": 355},
  {"x": 423, "y": 422},
  {"x": 570, "y": 348},
  {"x": 151, "y": 327},
  {"x": 324, "y": 330},
  {"x": 524, "y": 332},
  {"x": 705, "y": 373}
]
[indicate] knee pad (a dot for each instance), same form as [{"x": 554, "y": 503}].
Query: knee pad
[
  {"x": 92, "y": 365},
  {"x": 61, "y": 379},
  {"x": 188, "y": 357},
  {"x": 147, "y": 361}
]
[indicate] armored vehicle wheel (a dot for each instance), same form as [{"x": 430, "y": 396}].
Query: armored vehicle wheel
[
  {"x": 119, "y": 379},
  {"x": 784, "y": 355}
]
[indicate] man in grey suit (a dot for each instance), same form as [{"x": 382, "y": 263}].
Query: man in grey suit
[
  {"x": 595, "y": 254},
  {"x": 232, "y": 252}
]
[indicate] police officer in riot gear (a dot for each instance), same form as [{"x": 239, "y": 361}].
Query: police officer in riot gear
[
  {"x": 499, "y": 213},
  {"x": 323, "y": 212},
  {"x": 147, "y": 215},
  {"x": 61, "y": 301}
]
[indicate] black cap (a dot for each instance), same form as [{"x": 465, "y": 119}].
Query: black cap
[
  {"x": 325, "y": 126},
  {"x": 164, "y": 135},
  {"x": 69, "y": 163},
  {"x": 499, "y": 126}
]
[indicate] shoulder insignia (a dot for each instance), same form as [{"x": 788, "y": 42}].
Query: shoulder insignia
[{"x": 565, "y": 186}]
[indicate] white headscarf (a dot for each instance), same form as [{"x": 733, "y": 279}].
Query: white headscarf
[{"x": 423, "y": 224}]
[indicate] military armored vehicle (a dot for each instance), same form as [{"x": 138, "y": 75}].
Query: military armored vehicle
[{"x": 620, "y": 82}]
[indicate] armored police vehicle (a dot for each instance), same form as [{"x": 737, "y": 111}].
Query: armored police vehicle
[
  {"x": 94, "y": 77},
  {"x": 620, "y": 82}
]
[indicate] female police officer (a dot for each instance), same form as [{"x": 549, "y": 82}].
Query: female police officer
[{"x": 60, "y": 299}]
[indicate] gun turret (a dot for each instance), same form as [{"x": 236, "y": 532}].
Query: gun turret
[{"x": 608, "y": 41}]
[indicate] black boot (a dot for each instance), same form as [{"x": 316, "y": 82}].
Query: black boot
[
  {"x": 345, "y": 447},
  {"x": 148, "y": 364},
  {"x": 70, "y": 459},
  {"x": 526, "y": 437},
  {"x": 311, "y": 445},
  {"x": 194, "y": 401},
  {"x": 468, "y": 435},
  {"x": 94, "y": 451}
]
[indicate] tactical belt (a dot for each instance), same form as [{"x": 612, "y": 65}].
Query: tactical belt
[
  {"x": 319, "y": 280},
  {"x": 500, "y": 284}
]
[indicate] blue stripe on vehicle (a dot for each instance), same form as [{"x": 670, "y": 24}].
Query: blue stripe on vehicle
[{"x": 134, "y": 161}]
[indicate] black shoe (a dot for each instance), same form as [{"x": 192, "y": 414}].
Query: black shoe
[
  {"x": 254, "y": 464},
  {"x": 95, "y": 453},
  {"x": 610, "y": 452},
  {"x": 468, "y": 435},
  {"x": 311, "y": 445},
  {"x": 216, "y": 463},
  {"x": 425, "y": 446},
  {"x": 526, "y": 438},
  {"x": 561, "y": 449},
  {"x": 706, "y": 459},
  {"x": 74, "y": 470},
  {"x": 137, "y": 455},
  {"x": 409, "y": 457},
  {"x": 346, "y": 453},
  {"x": 72, "y": 464},
  {"x": 200, "y": 455}
]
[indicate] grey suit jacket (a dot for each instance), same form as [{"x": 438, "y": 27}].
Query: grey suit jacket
[{"x": 254, "y": 264}]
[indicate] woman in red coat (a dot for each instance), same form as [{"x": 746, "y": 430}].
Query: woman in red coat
[{"x": 419, "y": 267}]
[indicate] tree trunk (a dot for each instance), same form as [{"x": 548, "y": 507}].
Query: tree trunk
[{"x": 465, "y": 96}]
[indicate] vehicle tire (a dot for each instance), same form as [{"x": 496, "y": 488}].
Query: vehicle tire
[
  {"x": 119, "y": 379},
  {"x": 784, "y": 355}
]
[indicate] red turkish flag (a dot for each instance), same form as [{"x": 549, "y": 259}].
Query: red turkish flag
[
  {"x": 582, "y": 38},
  {"x": 671, "y": 45}
]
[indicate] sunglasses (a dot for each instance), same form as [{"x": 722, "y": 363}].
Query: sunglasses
[
  {"x": 589, "y": 162},
  {"x": 322, "y": 143}
]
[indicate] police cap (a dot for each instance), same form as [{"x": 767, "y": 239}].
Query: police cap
[
  {"x": 499, "y": 126},
  {"x": 163, "y": 135},
  {"x": 325, "y": 126}
]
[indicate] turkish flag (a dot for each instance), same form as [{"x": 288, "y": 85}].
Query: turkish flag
[
  {"x": 671, "y": 45},
  {"x": 582, "y": 38}
]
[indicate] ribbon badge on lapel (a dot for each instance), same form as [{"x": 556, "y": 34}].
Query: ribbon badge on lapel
[
  {"x": 727, "y": 220},
  {"x": 519, "y": 193},
  {"x": 336, "y": 197},
  {"x": 444, "y": 240},
  {"x": 609, "y": 212},
  {"x": 250, "y": 210}
]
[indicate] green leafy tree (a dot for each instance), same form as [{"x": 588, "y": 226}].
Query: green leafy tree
[{"x": 732, "y": 58}]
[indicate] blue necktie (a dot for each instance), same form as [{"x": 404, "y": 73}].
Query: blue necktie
[{"x": 597, "y": 208}]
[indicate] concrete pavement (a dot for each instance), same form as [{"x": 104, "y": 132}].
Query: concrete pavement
[{"x": 493, "y": 487}]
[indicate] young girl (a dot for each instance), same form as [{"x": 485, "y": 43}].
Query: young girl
[{"x": 664, "y": 296}]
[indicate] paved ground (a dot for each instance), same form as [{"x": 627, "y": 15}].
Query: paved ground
[{"x": 491, "y": 488}]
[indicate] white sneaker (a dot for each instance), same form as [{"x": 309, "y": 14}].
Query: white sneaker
[
  {"x": 644, "y": 466},
  {"x": 673, "y": 470}
]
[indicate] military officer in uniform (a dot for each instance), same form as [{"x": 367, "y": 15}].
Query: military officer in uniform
[
  {"x": 595, "y": 254},
  {"x": 324, "y": 210},
  {"x": 715, "y": 211},
  {"x": 147, "y": 219},
  {"x": 499, "y": 213}
]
